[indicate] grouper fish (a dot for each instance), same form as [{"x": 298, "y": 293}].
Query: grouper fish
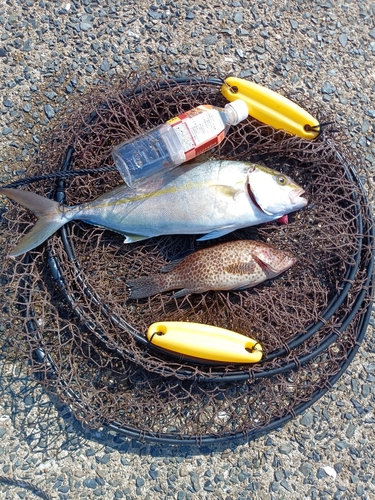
[
  {"x": 211, "y": 199},
  {"x": 233, "y": 265}
]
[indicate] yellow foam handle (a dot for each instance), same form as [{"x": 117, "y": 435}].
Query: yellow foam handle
[
  {"x": 204, "y": 342},
  {"x": 271, "y": 108}
]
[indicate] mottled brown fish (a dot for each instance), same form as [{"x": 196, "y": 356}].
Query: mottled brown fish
[{"x": 232, "y": 265}]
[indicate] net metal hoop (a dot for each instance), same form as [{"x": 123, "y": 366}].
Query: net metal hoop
[{"x": 361, "y": 265}]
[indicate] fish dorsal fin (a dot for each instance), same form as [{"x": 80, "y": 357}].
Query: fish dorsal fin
[
  {"x": 171, "y": 265},
  {"x": 198, "y": 160}
]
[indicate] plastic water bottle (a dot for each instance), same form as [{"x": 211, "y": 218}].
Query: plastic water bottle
[{"x": 178, "y": 140}]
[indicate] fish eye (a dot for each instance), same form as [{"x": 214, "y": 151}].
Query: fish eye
[{"x": 281, "y": 179}]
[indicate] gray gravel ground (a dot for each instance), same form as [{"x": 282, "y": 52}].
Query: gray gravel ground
[{"x": 50, "y": 52}]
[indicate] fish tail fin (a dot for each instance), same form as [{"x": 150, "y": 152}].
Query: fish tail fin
[
  {"x": 49, "y": 216},
  {"x": 146, "y": 286}
]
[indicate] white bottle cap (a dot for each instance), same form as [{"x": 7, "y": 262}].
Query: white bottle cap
[{"x": 236, "y": 111}]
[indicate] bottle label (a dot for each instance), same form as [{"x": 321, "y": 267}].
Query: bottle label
[{"x": 198, "y": 130}]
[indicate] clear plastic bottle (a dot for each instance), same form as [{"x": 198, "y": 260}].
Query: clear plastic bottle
[{"x": 179, "y": 140}]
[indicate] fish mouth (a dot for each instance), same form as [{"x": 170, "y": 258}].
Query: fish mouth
[
  {"x": 297, "y": 198},
  {"x": 286, "y": 263}
]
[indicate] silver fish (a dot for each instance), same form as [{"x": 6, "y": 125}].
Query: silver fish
[
  {"x": 212, "y": 198},
  {"x": 226, "y": 266}
]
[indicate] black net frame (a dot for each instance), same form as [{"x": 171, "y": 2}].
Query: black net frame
[{"x": 340, "y": 325}]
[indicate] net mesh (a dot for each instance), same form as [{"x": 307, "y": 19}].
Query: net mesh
[{"x": 66, "y": 302}]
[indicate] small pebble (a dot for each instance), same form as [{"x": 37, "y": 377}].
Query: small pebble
[
  {"x": 305, "y": 468},
  {"x": 90, "y": 483},
  {"x": 328, "y": 88},
  {"x": 343, "y": 39},
  {"x": 307, "y": 419},
  {"x": 321, "y": 473},
  {"x": 238, "y": 17},
  {"x": 105, "y": 65},
  {"x": 210, "y": 40},
  {"x": 49, "y": 111},
  {"x": 194, "y": 477},
  {"x": 286, "y": 485},
  {"x": 293, "y": 24},
  {"x": 285, "y": 449},
  {"x": 86, "y": 23}
]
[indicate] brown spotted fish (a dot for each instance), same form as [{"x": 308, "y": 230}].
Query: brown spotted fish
[{"x": 231, "y": 265}]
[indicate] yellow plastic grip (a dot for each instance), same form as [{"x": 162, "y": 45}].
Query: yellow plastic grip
[
  {"x": 271, "y": 108},
  {"x": 204, "y": 342}
]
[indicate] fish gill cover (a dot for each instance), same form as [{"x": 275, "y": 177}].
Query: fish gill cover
[{"x": 67, "y": 304}]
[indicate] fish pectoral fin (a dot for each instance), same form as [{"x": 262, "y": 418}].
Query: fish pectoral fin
[
  {"x": 217, "y": 233},
  {"x": 229, "y": 191},
  {"x": 238, "y": 289},
  {"x": 241, "y": 268},
  {"x": 188, "y": 291},
  {"x": 133, "y": 238}
]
